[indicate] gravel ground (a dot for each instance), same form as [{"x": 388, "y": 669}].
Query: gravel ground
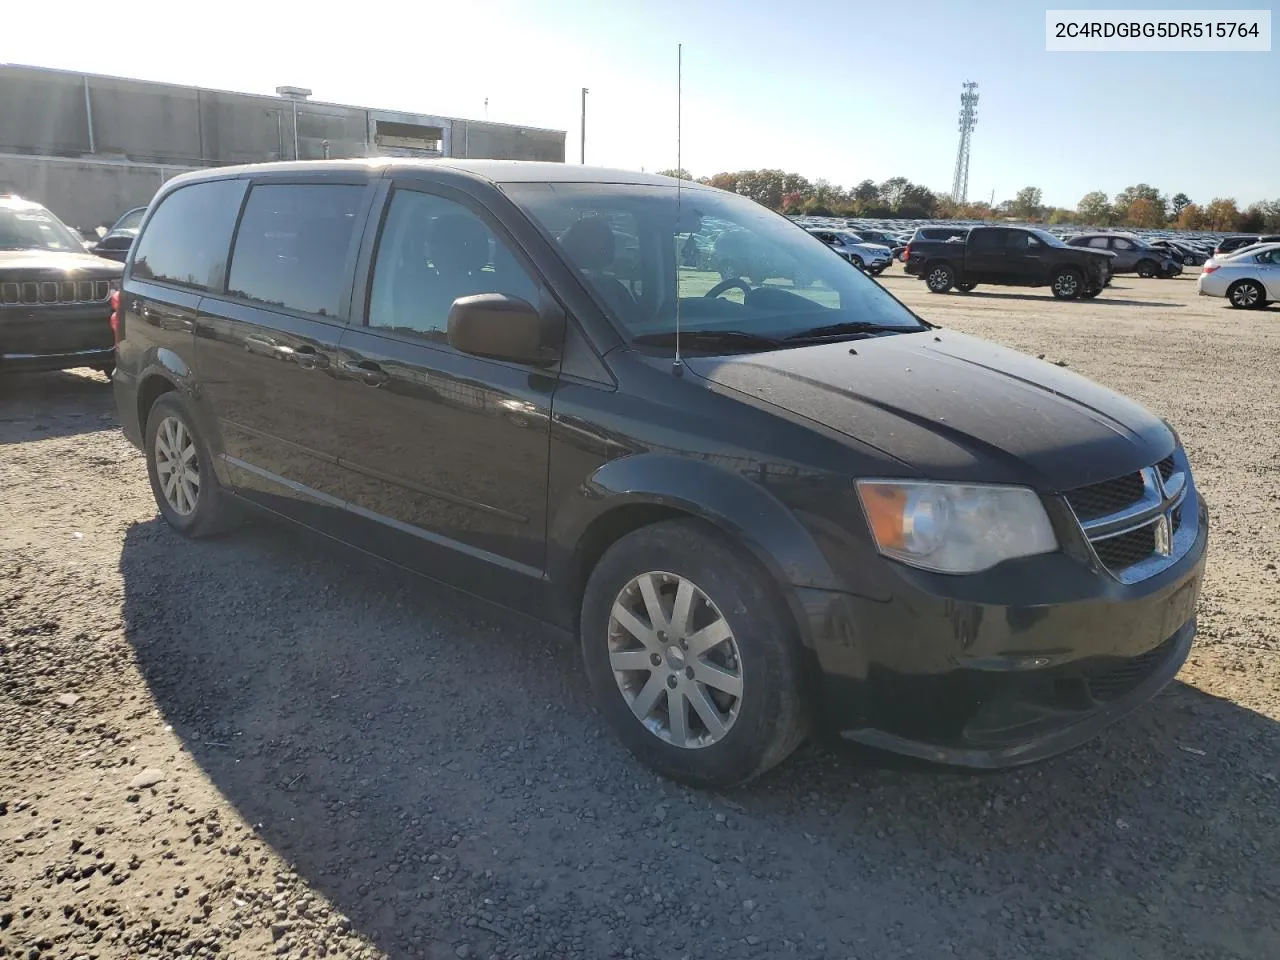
[{"x": 265, "y": 744}]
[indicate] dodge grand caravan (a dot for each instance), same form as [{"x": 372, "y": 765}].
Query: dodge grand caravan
[{"x": 759, "y": 506}]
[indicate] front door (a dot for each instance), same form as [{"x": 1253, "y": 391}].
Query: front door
[
  {"x": 443, "y": 453},
  {"x": 266, "y": 348},
  {"x": 1027, "y": 257}
]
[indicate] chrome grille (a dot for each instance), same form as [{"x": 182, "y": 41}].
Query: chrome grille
[
  {"x": 1137, "y": 524},
  {"x": 54, "y": 291},
  {"x": 1100, "y": 499}
]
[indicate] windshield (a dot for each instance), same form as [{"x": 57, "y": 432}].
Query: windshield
[
  {"x": 738, "y": 266},
  {"x": 1047, "y": 238},
  {"x": 30, "y": 227}
]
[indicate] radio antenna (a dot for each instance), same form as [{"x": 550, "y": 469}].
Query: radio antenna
[{"x": 678, "y": 366}]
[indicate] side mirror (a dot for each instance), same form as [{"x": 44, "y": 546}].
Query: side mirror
[
  {"x": 500, "y": 327},
  {"x": 118, "y": 242}
]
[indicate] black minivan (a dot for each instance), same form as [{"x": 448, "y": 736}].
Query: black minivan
[{"x": 760, "y": 506}]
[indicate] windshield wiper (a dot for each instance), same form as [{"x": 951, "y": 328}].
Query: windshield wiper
[
  {"x": 710, "y": 339},
  {"x": 851, "y": 327}
]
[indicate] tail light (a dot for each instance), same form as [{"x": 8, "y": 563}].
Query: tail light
[
  {"x": 1210, "y": 267},
  {"x": 117, "y": 330},
  {"x": 906, "y": 253}
]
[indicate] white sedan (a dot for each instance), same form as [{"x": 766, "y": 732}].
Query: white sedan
[{"x": 1248, "y": 279}]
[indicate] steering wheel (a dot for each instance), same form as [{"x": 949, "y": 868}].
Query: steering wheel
[{"x": 729, "y": 284}]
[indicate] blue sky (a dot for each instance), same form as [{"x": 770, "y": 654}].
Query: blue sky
[{"x": 841, "y": 90}]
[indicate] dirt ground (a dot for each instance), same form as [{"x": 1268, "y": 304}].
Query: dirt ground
[{"x": 266, "y": 745}]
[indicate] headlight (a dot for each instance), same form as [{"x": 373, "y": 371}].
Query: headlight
[{"x": 955, "y": 528}]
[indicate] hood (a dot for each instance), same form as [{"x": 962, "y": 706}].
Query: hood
[
  {"x": 954, "y": 407},
  {"x": 58, "y": 262},
  {"x": 871, "y": 247}
]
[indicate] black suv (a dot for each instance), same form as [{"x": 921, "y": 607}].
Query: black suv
[
  {"x": 1009, "y": 256},
  {"x": 55, "y": 304},
  {"x": 757, "y": 504}
]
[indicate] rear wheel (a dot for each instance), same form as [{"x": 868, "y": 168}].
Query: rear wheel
[
  {"x": 692, "y": 659},
  {"x": 939, "y": 278},
  {"x": 965, "y": 287},
  {"x": 1147, "y": 268},
  {"x": 1067, "y": 284},
  {"x": 1246, "y": 295},
  {"x": 180, "y": 468},
  {"x": 857, "y": 262}
]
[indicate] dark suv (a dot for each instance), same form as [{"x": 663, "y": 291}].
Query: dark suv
[
  {"x": 55, "y": 305},
  {"x": 757, "y": 504},
  {"x": 1130, "y": 254}
]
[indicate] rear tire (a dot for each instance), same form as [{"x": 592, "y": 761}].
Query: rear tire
[
  {"x": 1067, "y": 284},
  {"x": 641, "y": 669},
  {"x": 939, "y": 278},
  {"x": 1246, "y": 295},
  {"x": 1147, "y": 268},
  {"x": 857, "y": 262},
  {"x": 180, "y": 469}
]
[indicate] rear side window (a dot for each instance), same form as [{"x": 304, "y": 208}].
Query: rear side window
[
  {"x": 1099, "y": 243},
  {"x": 986, "y": 241},
  {"x": 293, "y": 246},
  {"x": 187, "y": 238}
]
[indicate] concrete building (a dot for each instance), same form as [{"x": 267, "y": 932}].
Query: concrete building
[{"x": 90, "y": 147}]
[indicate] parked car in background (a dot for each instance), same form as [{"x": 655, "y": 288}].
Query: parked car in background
[
  {"x": 55, "y": 306},
  {"x": 1185, "y": 254},
  {"x": 115, "y": 243},
  {"x": 935, "y": 544},
  {"x": 1009, "y": 256},
  {"x": 1249, "y": 279},
  {"x": 871, "y": 257},
  {"x": 1131, "y": 254},
  {"x": 1228, "y": 244}
]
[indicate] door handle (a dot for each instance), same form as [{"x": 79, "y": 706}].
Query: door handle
[
  {"x": 366, "y": 371},
  {"x": 308, "y": 358}
]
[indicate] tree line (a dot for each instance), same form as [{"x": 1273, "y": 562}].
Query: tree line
[{"x": 1140, "y": 205}]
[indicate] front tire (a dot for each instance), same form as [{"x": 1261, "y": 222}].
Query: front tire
[
  {"x": 180, "y": 469},
  {"x": 939, "y": 278},
  {"x": 965, "y": 287},
  {"x": 1067, "y": 284},
  {"x": 1246, "y": 295},
  {"x": 1091, "y": 293},
  {"x": 693, "y": 660},
  {"x": 857, "y": 262}
]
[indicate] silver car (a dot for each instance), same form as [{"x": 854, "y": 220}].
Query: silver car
[
  {"x": 872, "y": 258},
  {"x": 1132, "y": 254}
]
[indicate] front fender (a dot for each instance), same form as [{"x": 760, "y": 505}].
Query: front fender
[{"x": 739, "y": 507}]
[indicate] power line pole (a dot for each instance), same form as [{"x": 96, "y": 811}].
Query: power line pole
[
  {"x": 968, "y": 120},
  {"x": 582, "y": 157}
]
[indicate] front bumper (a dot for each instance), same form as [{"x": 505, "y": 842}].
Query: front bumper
[
  {"x": 1007, "y": 668},
  {"x": 40, "y": 337}
]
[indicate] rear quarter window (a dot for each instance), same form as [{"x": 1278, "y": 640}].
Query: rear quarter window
[{"x": 187, "y": 238}]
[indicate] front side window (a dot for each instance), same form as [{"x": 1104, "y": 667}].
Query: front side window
[
  {"x": 1022, "y": 242},
  {"x": 1098, "y": 243},
  {"x": 27, "y": 226},
  {"x": 432, "y": 251},
  {"x": 1120, "y": 243},
  {"x": 131, "y": 220},
  {"x": 187, "y": 238},
  {"x": 293, "y": 246},
  {"x": 732, "y": 265}
]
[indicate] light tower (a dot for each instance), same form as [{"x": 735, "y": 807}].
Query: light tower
[{"x": 968, "y": 119}]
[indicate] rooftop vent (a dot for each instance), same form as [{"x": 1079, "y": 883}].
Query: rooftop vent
[{"x": 293, "y": 93}]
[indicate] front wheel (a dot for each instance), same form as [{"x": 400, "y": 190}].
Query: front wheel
[
  {"x": 1246, "y": 295},
  {"x": 965, "y": 287},
  {"x": 1091, "y": 293},
  {"x": 1147, "y": 268},
  {"x": 692, "y": 659},
  {"x": 180, "y": 469},
  {"x": 1066, "y": 284},
  {"x": 857, "y": 262},
  {"x": 940, "y": 278}
]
